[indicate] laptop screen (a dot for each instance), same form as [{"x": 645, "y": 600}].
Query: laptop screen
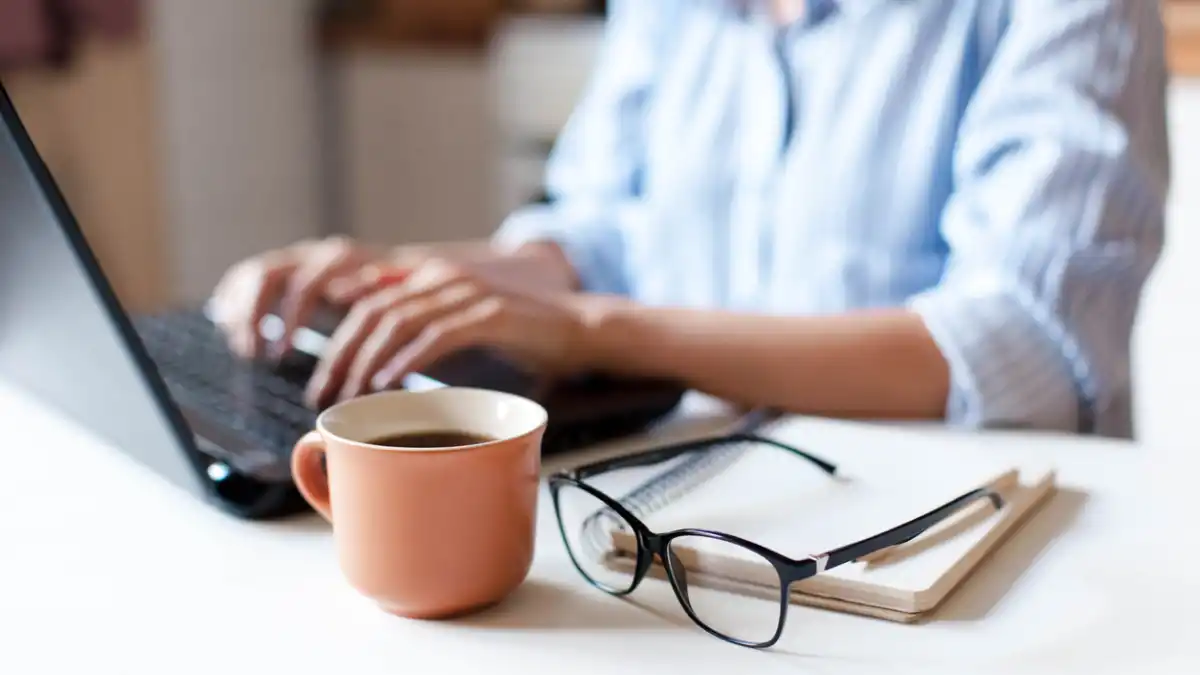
[{"x": 63, "y": 335}]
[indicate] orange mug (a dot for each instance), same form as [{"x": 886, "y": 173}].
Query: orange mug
[{"x": 432, "y": 495}]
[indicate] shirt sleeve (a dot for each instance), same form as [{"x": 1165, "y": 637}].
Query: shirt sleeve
[
  {"x": 1056, "y": 221},
  {"x": 593, "y": 173}
]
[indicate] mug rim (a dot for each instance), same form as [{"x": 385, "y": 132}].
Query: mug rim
[{"x": 542, "y": 414}]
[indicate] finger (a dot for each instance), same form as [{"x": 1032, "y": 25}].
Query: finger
[
  {"x": 476, "y": 326},
  {"x": 380, "y": 345},
  {"x": 350, "y": 289},
  {"x": 348, "y": 339},
  {"x": 344, "y": 344},
  {"x": 401, "y": 325},
  {"x": 248, "y": 338},
  {"x": 222, "y": 310},
  {"x": 305, "y": 288}
]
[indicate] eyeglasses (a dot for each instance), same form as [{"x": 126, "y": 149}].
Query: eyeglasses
[{"x": 614, "y": 550}]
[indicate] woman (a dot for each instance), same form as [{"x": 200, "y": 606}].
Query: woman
[{"x": 939, "y": 210}]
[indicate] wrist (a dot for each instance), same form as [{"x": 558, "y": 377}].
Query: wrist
[
  {"x": 604, "y": 335},
  {"x": 551, "y": 261}
]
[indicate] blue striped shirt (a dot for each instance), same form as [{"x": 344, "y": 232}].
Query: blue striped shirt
[{"x": 999, "y": 167}]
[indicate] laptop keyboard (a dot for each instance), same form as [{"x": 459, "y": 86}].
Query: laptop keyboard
[{"x": 261, "y": 403}]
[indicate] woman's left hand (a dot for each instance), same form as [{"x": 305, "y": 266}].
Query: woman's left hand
[{"x": 443, "y": 307}]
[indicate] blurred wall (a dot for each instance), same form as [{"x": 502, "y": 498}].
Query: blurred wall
[
  {"x": 224, "y": 132},
  {"x": 441, "y": 142},
  {"x": 418, "y": 144},
  {"x": 96, "y": 127},
  {"x": 540, "y": 66},
  {"x": 188, "y": 149},
  {"x": 238, "y": 97}
]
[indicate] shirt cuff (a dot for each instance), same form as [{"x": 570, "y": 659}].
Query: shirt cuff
[
  {"x": 1010, "y": 366},
  {"x": 592, "y": 246}
]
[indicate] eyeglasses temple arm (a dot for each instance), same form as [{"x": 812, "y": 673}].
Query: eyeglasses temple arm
[
  {"x": 828, "y": 467},
  {"x": 669, "y": 452},
  {"x": 910, "y": 530}
]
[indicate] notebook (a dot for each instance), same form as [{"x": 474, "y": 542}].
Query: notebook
[{"x": 886, "y": 476}]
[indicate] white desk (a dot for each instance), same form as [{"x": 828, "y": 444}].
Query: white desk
[{"x": 106, "y": 568}]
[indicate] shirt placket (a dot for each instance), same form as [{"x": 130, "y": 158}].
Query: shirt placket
[{"x": 768, "y": 122}]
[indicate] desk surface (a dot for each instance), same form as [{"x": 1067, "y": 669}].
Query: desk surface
[{"x": 104, "y": 566}]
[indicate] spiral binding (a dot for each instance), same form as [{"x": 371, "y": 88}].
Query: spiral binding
[{"x": 667, "y": 487}]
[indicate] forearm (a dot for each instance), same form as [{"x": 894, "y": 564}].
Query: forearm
[{"x": 881, "y": 364}]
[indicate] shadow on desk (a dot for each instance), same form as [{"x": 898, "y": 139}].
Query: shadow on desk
[
  {"x": 305, "y": 524},
  {"x": 540, "y": 605},
  {"x": 980, "y": 593}
]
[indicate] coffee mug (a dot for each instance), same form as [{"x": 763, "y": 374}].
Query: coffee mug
[{"x": 432, "y": 495}]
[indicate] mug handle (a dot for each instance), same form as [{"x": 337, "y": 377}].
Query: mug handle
[{"x": 309, "y": 475}]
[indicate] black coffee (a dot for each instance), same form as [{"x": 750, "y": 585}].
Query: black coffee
[{"x": 431, "y": 439}]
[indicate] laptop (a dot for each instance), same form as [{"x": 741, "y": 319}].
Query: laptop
[{"x": 165, "y": 389}]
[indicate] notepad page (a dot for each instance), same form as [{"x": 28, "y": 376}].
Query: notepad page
[{"x": 782, "y": 502}]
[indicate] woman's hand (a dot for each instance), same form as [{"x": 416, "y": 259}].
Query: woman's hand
[
  {"x": 342, "y": 272},
  {"x": 443, "y": 307},
  {"x": 296, "y": 278}
]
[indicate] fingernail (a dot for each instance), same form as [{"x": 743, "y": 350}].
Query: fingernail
[
  {"x": 380, "y": 381},
  {"x": 385, "y": 378}
]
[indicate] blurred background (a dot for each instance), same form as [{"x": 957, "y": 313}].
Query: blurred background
[{"x": 188, "y": 134}]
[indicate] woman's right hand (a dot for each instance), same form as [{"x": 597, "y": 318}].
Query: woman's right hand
[{"x": 295, "y": 278}]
